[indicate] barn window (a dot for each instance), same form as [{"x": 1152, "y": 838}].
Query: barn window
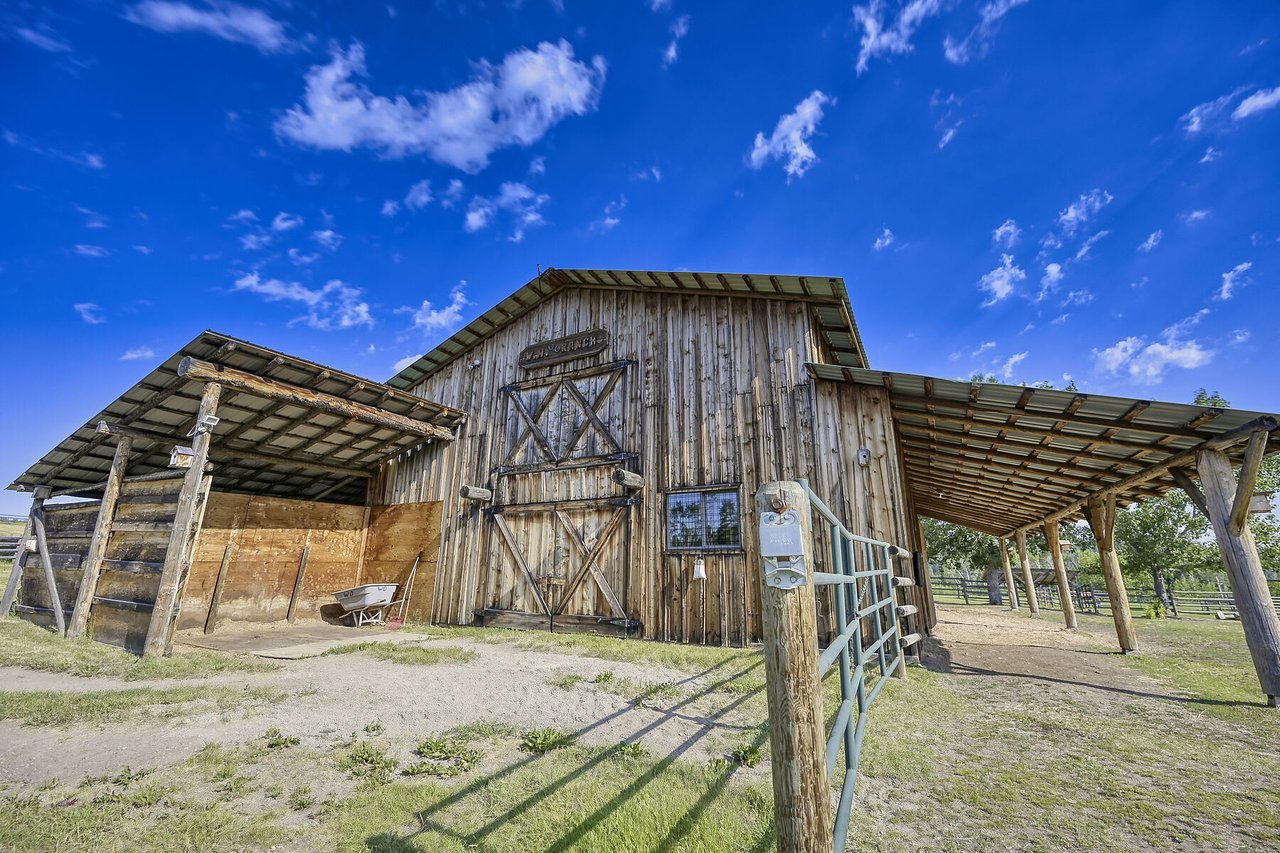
[{"x": 704, "y": 519}]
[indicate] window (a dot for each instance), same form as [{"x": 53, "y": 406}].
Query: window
[{"x": 704, "y": 519}]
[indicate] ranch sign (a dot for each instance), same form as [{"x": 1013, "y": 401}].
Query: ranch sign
[{"x": 568, "y": 348}]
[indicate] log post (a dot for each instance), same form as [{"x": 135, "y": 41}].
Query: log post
[
  {"x": 1033, "y": 600},
  {"x": 292, "y": 615},
  {"x": 1008, "y": 574},
  {"x": 46, "y": 563},
  {"x": 20, "y": 556},
  {"x": 1053, "y": 538},
  {"x": 801, "y": 788},
  {"x": 1102, "y": 521},
  {"x": 1244, "y": 569},
  {"x": 92, "y": 569},
  {"x": 186, "y": 523},
  {"x": 211, "y": 620}
]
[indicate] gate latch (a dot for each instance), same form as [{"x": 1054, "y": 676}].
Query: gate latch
[{"x": 782, "y": 548}]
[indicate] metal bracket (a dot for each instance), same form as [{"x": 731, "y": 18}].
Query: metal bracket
[
  {"x": 782, "y": 548},
  {"x": 785, "y": 572},
  {"x": 205, "y": 424}
]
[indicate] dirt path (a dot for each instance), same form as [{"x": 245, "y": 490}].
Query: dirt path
[{"x": 330, "y": 697}]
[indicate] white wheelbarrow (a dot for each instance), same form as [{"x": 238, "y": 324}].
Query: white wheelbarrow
[{"x": 368, "y": 603}]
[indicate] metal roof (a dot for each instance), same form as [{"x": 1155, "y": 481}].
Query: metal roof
[
  {"x": 827, "y": 293},
  {"x": 998, "y": 458},
  {"x": 301, "y": 437}
]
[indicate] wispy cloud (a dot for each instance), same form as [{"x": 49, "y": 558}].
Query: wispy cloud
[
  {"x": 418, "y": 196},
  {"x": 518, "y": 201},
  {"x": 227, "y": 21},
  {"x": 1146, "y": 363},
  {"x": 1049, "y": 282},
  {"x": 89, "y": 251},
  {"x": 886, "y": 36},
  {"x": 1153, "y": 240},
  {"x": 1082, "y": 210},
  {"x": 431, "y": 320},
  {"x": 513, "y": 103},
  {"x": 1191, "y": 217},
  {"x": 138, "y": 353},
  {"x": 285, "y": 221},
  {"x": 1259, "y": 102},
  {"x": 976, "y": 44},
  {"x": 1001, "y": 282},
  {"x": 255, "y": 241},
  {"x": 789, "y": 141},
  {"x": 452, "y": 193},
  {"x": 43, "y": 38},
  {"x": 92, "y": 218},
  {"x": 1233, "y": 278},
  {"x": 84, "y": 159},
  {"x": 1087, "y": 245},
  {"x": 90, "y": 312},
  {"x": 1201, "y": 117},
  {"x": 243, "y": 215},
  {"x": 142, "y": 250},
  {"x": 327, "y": 238},
  {"x": 947, "y": 135},
  {"x": 537, "y": 166},
  {"x": 390, "y": 207},
  {"x": 679, "y": 29},
  {"x": 1006, "y": 371},
  {"x": 337, "y": 305},
  {"x": 1210, "y": 155},
  {"x": 301, "y": 258},
  {"x": 986, "y": 345},
  {"x": 1006, "y": 234},
  {"x": 611, "y": 217},
  {"x": 884, "y": 241}
]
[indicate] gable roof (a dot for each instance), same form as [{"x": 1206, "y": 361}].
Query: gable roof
[{"x": 826, "y": 293}]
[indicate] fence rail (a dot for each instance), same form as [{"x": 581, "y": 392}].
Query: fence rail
[{"x": 9, "y": 547}]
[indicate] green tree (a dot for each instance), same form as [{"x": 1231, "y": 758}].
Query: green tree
[{"x": 1165, "y": 538}]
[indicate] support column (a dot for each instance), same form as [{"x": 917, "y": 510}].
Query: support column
[
  {"x": 1008, "y": 574},
  {"x": 1033, "y": 601},
  {"x": 1244, "y": 569},
  {"x": 46, "y": 563},
  {"x": 1052, "y": 538},
  {"x": 98, "y": 544},
  {"x": 19, "y": 559},
  {"x": 1102, "y": 521},
  {"x": 186, "y": 523}
]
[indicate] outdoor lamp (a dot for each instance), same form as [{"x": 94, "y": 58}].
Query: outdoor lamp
[{"x": 699, "y": 569}]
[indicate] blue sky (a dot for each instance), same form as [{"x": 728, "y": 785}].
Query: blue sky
[{"x": 1032, "y": 189}]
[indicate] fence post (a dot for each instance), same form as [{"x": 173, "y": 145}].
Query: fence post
[{"x": 798, "y": 744}]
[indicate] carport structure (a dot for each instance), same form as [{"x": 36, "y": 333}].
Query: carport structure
[
  {"x": 259, "y": 422},
  {"x": 1012, "y": 460}
]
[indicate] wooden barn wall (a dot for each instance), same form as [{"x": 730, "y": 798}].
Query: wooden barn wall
[
  {"x": 68, "y": 528},
  {"x": 718, "y": 395},
  {"x": 397, "y": 534},
  {"x": 267, "y": 536}
]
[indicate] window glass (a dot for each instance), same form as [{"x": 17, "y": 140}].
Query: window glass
[
  {"x": 723, "y": 519},
  {"x": 711, "y": 519},
  {"x": 684, "y": 520}
]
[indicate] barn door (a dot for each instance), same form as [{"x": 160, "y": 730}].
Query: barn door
[{"x": 559, "y": 539}]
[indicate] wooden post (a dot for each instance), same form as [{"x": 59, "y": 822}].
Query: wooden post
[
  {"x": 291, "y": 616},
  {"x": 20, "y": 557},
  {"x": 1053, "y": 538},
  {"x": 1102, "y": 521},
  {"x": 1008, "y": 574},
  {"x": 92, "y": 568},
  {"x": 46, "y": 563},
  {"x": 186, "y": 523},
  {"x": 1033, "y": 601},
  {"x": 1244, "y": 569},
  {"x": 211, "y": 621},
  {"x": 801, "y": 788}
]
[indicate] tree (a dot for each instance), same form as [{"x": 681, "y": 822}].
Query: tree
[
  {"x": 1164, "y": 537},
  {"x": 966, "y": 551}
]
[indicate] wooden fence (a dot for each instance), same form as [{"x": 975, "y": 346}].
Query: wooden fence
[{"x": 9, "y": 547}]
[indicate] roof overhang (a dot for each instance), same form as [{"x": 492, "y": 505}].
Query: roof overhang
[
  {"x": 287, "y": 427},
  {"x": 826, "y": 293},
  {"x": 1007, "y": 458}
]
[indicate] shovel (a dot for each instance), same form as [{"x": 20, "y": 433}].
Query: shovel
[{"x": 395, "y": 623}]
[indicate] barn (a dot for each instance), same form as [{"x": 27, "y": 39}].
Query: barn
[{"x": 584, "y": 456}]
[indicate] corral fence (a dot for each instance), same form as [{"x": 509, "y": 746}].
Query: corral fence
[
  {"x": 9, "y": 547},
  {"x": 1088, "y": 599},
  {"x": 867, "y": 650}
]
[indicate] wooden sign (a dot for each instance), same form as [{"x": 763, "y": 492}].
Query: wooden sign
[{"x": 568, "y": 348}]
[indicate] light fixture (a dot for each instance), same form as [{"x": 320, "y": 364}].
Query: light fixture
[{"x": 699, "y": 569}]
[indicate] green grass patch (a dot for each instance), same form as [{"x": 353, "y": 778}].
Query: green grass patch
[
  {"x": 407, "y": 653},
  {"x": 277, "y": 739},
  {"x": 369, "y": 763},
  {"x": 483, "y": 730},
  {"x": 31, "y": 647},
  {"x": 567, "y": 682},
  {"x": 51, "y": 708},
  {"x": 545, "y": 740},
  {"x": 301, "y": 798},
  {"x": 443, "y": 757}
]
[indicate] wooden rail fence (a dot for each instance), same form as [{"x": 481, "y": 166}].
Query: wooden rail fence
[{"x": 9, "y": 547}]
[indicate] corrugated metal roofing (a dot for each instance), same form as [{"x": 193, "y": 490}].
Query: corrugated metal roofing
[
  {"x": 162, "y": 402},
  {"x": 999, "y": 457},
  {"x": 827, "y": 293}
]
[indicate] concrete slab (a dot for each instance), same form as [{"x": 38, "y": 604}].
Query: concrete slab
[{"x": 282, "y": 641}]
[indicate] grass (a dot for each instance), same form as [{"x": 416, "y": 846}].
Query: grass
[
  {"x": 301, "y": 798},
  {"x": 444, "y": 757},
  {"x": 31, "y": 647},
  {"x": 277, "y": 739},
  {"x": 545, "y": 740},
  {"x": 407, "y": 653},
  {"x": 568, "y": 682},
  {"x": 369, "y": 763},
  {"x": 50, "y": 708}
]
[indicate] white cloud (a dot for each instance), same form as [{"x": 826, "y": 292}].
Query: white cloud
[
  {"x": 978, "y": 42},
  {"x": 255, "y": 241},
  {"x": 1116, "y": 356},
  {"x": 1081, "y": 211},
  {"x": 1001, "y": 281},
  {"x": 1146, "y": 363},
  {"x": 1078, "y": 297},
  {"x": 44, "y": 39},
  {"x": 227, "y": 21},
  {"x": 418, "y": 196},
  {"x": 679, "y": 29},
  {"x": 1014, "y": 360},
  {"x": 881, "y": 37},
  {"x": 302, "y": 259},
  {"x": 1191, "y": 217},
  {"x": 1241, "y": 336},
  {"x": 1006, "y": 234},
  {"x": 390, "y": 207},
  {"x": 790, "y": 138},
  {"x": 142, "y": 250},
  {"x": 138, "y": 353},
  {"x": 947, "y": 135},
  {"x": 430, "y": 319},
  {"x": 337, "y": 305},
  {"x": 659, "y": 5},
  {"x": 243, "y": 215},
  {"x": 1084, "y": 249},
  {"x": 1234, "y": 278},
  {"x": 1053, "y": 275},
  {"x": 84, "y": 158},
  {"x": 1059, "y": 320},
  {"x": 452, "y": 194},
  {"x": 285, "y": 221},
  {"x": 884, "y": 241},
  {"x": 517, "y": 200},
  {"x": 90, "y": 251},
  {"x": 1181, "y": 328},
  {"x": 406, "y": 361},
  {"x": 513, "y": 103},
  {"x": 611, "y": 218},
  {"x": 987, "y": 345},
  {"x": 649, "y": 173},
  {"x": 327, "y": 238},
  {"x": 1200, "y": 117},
  {"x": 92, "y": 219},
  {"x": 90, "y": 312},
  {"x": 1153, "y": 240},
  {"x": 1211, "y": 154},
  {"x": 538, "y": 166},
  {"x": 1259, "y": 102}
]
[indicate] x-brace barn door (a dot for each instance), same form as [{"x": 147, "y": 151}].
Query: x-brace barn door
[{"x": 571, "y": 418}]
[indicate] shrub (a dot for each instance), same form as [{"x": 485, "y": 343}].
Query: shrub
[{"x": 545, "y": 740}]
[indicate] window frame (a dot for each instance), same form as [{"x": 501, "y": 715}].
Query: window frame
[{"x": 703, "y": 492}]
